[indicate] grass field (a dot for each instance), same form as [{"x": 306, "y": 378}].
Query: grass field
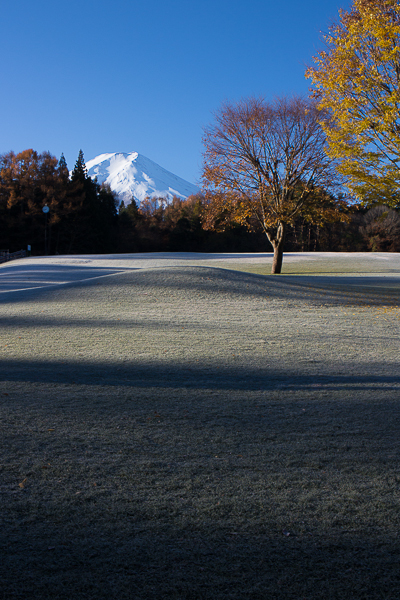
[{"x": 194, "y": 432}]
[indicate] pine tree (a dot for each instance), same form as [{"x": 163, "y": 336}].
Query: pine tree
[
  {"x": 80, "y": 172},
  {"x": 93, "y": 213},
  {"x": 62, "y": 168}
]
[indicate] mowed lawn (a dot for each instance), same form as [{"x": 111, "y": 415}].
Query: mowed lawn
[{"x": 197, "y": 432}]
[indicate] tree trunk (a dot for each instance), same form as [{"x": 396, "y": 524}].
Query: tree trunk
[
  {"x": 277, "y": 242},
  {"x": 316, "y": 243},
  {"x": 302, "y": 236}
]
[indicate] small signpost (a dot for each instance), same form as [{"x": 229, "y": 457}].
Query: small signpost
[{"x": 46, "y": 210}]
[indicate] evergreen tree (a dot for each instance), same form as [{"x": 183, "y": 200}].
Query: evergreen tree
[
  {"x": 128, "y": 218},
  {"x": 93, "y": 213},
  {"x": 62, "y": 168},
  {"x": 80, "y": 172}
]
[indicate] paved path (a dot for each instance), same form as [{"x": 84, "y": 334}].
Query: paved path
[{"x": 25, "y": 277}]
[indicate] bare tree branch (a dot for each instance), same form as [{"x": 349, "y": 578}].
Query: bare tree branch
[{"x": 269, "y": 160}]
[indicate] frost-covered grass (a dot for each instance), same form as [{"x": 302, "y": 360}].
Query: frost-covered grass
[
  {"x": 199, "y": 433},
  {"x": 320, "y": 263}
]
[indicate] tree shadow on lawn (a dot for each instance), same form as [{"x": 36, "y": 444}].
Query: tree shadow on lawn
[
  {"x": 16, "y": 282},
  {"x": 187, "y": 500},
  {"x": 174, "y": 521},
  {"x": 176, "y": 375},
  {"x": 83, "y": 560},
  {"x": 124, "y": 543},
  {"x": 314, "y": 288},
  {"x": 214, "y": 282}
]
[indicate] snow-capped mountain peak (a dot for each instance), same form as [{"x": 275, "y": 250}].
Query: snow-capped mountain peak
[{"x": 134, "y": 175}]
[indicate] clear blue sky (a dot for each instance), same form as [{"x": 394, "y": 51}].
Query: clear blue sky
[{"x": 146, "y": 76}]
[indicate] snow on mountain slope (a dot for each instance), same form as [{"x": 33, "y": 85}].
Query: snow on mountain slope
[{"x": 135, "y": 175}]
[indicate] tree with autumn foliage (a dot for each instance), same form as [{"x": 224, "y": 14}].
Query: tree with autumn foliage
[
  {"x": 357, "y": 80},
  {"x": 381, "y": 229},
  {"x": 264, "y": 163},
  {"x": 28, "y": 181},
  {"x": 159, "y": 225},
  {"x": 82, "y": 214}
]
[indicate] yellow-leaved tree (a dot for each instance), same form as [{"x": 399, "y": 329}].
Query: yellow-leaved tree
[{"x": 357, "y": 81}]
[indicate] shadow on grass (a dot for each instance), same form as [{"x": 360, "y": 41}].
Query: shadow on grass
[
  {"x": 175, "y": 375},
  {"x": 320, "y": 289},
  {"x": 214, "y": 283},
  {"x": 90, "y": 561},
  {"x": 22, "y": 278},
  {"x": 196, "y": 529},
  {"x": 190, "y": 497}
]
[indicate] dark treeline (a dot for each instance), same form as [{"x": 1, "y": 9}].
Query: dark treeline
[
  {"x": 183, "y": 225},
  {"x": 82, "y": 215},
  {"x": 83, "y": 218}
]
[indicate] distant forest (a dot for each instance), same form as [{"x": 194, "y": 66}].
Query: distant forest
[{"x": 84, "y": 217}]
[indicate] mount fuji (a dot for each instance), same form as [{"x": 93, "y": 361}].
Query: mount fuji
[{"x": 133, "y": 175}]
